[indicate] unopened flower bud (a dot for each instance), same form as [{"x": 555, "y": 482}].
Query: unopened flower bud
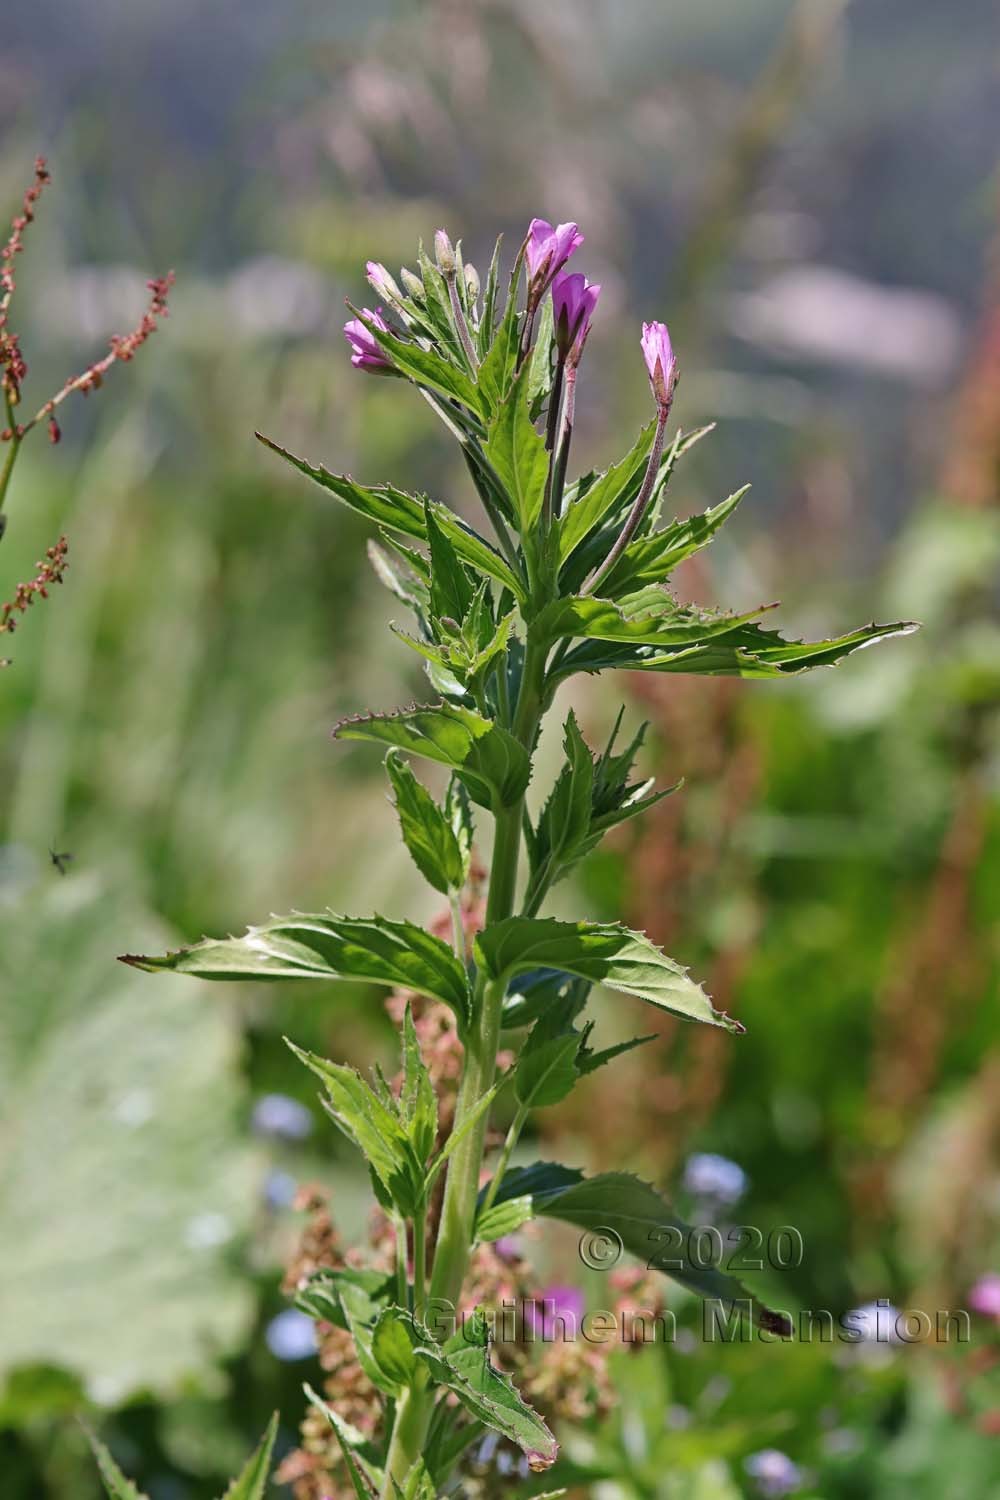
[
  {"x": 444, "y": 251},
  {"x": 660, "y": 361},
  {"x": 365, "y": 351},
  {"x": 413, "y": 284},
  {"x": 381, "y": 282},
  {"x": 573, "y": 304},
  {"x": 472, "y": 282}
]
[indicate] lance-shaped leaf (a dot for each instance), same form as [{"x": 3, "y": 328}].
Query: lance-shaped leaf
[
  {"x": 427, "y": 832},
  {"x": 649, "y": 618},
  {"x": 518, "y": 456},
  {"x": 628, "y": 1208},
  {"x": 392, "y": 1348},
  {"x": 452, "y": 587},
  {"x": 463, "y": 1367},
  {"x": 418, "y": 1108},
  {"x": 366, "y": 1479},
  {"x": 650, "y": 559},
  {"x": 397, "y": 511},
  {"x": 603, "y": 953},
  {"x": 546, "y": 1069},
  {"x": 587, "y": 505},
  {"x": 596, "y": 507},
  {"x": 749, "y": 652},
  {"x": 324, "y": 946},
  {"x": 252, "y": 1480},
  {"x": 493, "y": 765},
  {"x": 351, "y": 1299},
  {"x": 115, "y": 1482}
]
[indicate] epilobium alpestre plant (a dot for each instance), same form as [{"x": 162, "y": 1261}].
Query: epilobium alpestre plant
[{"x": 574, "y": 579}]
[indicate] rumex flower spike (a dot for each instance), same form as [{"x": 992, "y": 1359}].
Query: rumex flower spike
[{"x": 365, "y": 351}]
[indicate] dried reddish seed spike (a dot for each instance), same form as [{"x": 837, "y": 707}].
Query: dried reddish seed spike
[{"x": 51, "y": 570}]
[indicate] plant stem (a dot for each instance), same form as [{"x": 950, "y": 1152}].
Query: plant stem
[
  {"x": 641, "y": 501},
  {"x": 457, "y": 925},
  {"x": 454, "y": 1245},
  {"x": 503, "y": 1160},
  {"x": 14, "y": 442},
  {"x": 419, "y": 1262},
  {"x": 402, "y": 1283}
]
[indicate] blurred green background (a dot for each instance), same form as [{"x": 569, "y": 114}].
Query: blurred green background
[{"x": 807, "y": 193}]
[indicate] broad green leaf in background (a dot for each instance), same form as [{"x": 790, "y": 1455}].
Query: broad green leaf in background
[
  {"x": 324, "y": 946},
  {"x": 125, "y": 1180},
  {"x": 604, "y": 953},
  {"x": 493, "y": 765},
  {"x": 427, "y": 832}
]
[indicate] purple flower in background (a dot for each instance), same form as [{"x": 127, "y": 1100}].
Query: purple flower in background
[
  {"x": 278, "y": 1115},
  {"x": 573, "y": 304},
  {"x": 291, "y": 1335},
  {"x": 365, "y": 352},
  {"x": 774, "y": 1472},
  {"x": 984, "y": 1296},
  {"x": 710, "y": 1176},
  {"x": 658, "y": 353},
  {"x": 556, "y": 1314},
  {"x": 547, "y": 251}
]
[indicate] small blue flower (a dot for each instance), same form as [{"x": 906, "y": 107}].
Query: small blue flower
[
  {"x": 774, "y": 1473},
  {"x": 707, "y": 1175},
  {"x": 291, "y": 1335},
  {"x": 277, "y": 1115},
  {"x": 279, "y": 1190}
]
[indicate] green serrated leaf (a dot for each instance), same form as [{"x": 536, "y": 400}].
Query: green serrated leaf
[
  {"x": 494, "y": 766},
  {"x": 325, "y": 946},
  {"x": 397, "y": 511},
  {"x": 115, "y": 1483},
  {"x": 252, "y": 1479},
  {"x": 392, "y": 1348},
  {"x": 463, "y": 1367},
  {"x": 546, "y": 1069},
  {"x": 586, "y": 509},
  {"x": 418, "y": 1101},
  {"x": 365, "y": 1480},
  {"x": 603, "y": 953},
  {"x": 650, "y": 559},
  {"x": 427, "y": 832},
  {"x": 749, "y": 652},
  {"x": 627, "y": 1207},
  {"x": 374, "y": 1127},
  {"x": 451, "y": 587},
  {"x": 518, "y": 456},
  {"x": 651, "y": 618}
]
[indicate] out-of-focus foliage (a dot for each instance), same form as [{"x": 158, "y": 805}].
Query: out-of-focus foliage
[{"x": 830, "y": 869}]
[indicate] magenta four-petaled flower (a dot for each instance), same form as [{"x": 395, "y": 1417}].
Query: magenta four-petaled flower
[
  {"x": 573, "y": 302},
  {"x": 660, "y": 362},
  {"x": 546, "y": 251},
  {"x": 365, "y": 351}
]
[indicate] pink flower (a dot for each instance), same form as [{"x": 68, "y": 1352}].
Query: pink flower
[
  {"x": 556, "y": 1315},
  {"x": 984, "y": 1296},
  {"x": 573, "y": 304},
  {"x": 660, "y": 362},
  {"x": 365, "y": 351},
  {"x": 547, "y": 251}
]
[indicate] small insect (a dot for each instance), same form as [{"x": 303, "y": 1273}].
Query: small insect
[{"x": 60, "y": 861}]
